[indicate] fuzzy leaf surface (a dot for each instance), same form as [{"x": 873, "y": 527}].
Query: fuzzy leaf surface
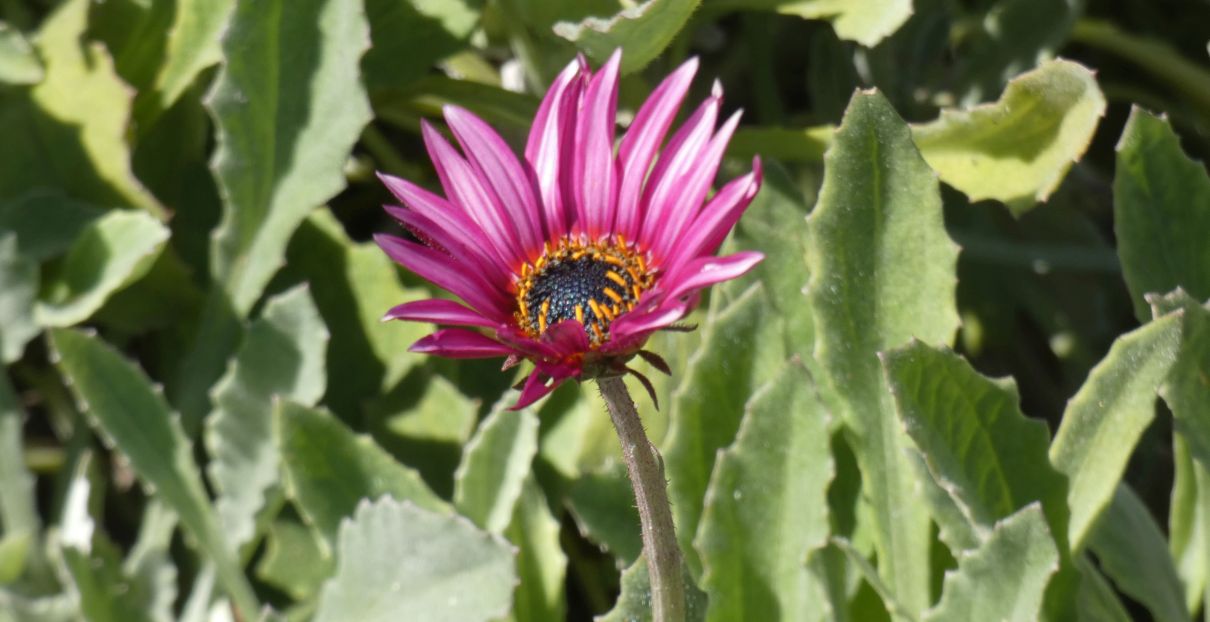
[
  {"x": 642, "y": 31},
  {"x": 882, "y": 272},
  {"x": 395, "y": 559},
  {"x": 494, "y": 466}
]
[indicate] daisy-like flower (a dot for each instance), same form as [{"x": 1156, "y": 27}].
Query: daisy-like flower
[{"x": 572, "y": 256}]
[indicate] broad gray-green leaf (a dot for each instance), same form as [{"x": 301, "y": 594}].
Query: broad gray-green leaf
[
  {"x": 1188, "y": 522},
  {"x": 740, "y": 350},
  {"x": 46, "y": 222},
  {"x": 1161, "y": 212},
  {"x": 1097, "y": 601},
  {"x": 494, "y": 464},
  {"x": 287, "y": 112},
  {"x": 767, "y": 506},
  {"x": 353, "y": 286},
  {"x": 60, "y": 607},
  {"x": 1017, "y": 149},
  {"x": 18, "y": 62},
  {"x": 864, "y": 21},
  {"x": 1003, "y": 579},
  {"x": 642, "y": 31},
  {"x": 18, "y": 292},
  {"x": 882, "y": 272},
  {"x": 282, "y": 358},
  {"x": 395, "y": 560},
  {"x": 122, "y": 404},
  {"x": 329, "y": 469},
  {"x": 410, "y": 37},
  {"x": 634, "y": 602},
  {"x": 111, "y": 253},
  {"x": 541, "y": 563},
  {"x": 150, "y": 565},
  {"x": 106, "y": 593},
  {"x": 441, "y": 414},
  {"x": 69, "y": 130},
  {"x": 1134, "y": 553},
  {"x": 296, "y": 560},
  {"x": 193, "y": 45},
  {"x": 1104, "y": 420},
  {"x": 976, "y": 442},
  {"x": 603, "y": 505}
]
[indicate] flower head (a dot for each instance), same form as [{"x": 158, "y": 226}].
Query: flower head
[{"x": 572, "y": 256}]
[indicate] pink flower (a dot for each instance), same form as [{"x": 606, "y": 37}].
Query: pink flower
[{"x": 572, "y": 256}]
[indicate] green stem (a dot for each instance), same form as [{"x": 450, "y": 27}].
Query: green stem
[{"x": 651, "y": 494}]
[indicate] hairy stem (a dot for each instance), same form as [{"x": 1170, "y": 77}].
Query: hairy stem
[{"x": 651, "y": 493}]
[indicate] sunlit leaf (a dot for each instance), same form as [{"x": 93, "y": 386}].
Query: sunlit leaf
[
  {"x": 541, "y": 562},
  {"x": 495, "y": 463},
  {"x": 1018, "y": 149},
  {"x": 642, "y": 31},
  {"x": 394, "y": 559},
  {"x": 18, "y": 293}
]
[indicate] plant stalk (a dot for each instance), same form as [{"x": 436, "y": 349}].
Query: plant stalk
[{"x": 646, "y": 472}]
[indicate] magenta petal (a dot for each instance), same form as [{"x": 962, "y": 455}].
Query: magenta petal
[
  {"x": 468, "y": 245},
  {"x": 465, "y": 187},
  {"x": 447, "y": 215},
  {"x": 449, "y": 274},
  {"x": 638, "y": 323},
  {"x": 537, "y": 386},
  {"x": 566, "y": 337},
  {"x": 550, "y": 142},
  {"x": 716, "y": 219},
  {"x": 691, "y": 189},
  {"x": 675, "y": 162},
  {"x": 459, "y": 343},
  {"x": 438, "y": 311},
  {"x": 594, "y": 176},
  {"x": 706, "y": 271},
  {"x": 498, "y": 165},
  {"x": 642, "y": 140}
]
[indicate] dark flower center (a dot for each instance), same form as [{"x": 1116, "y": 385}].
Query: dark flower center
[{"x": 590, "y": 283}]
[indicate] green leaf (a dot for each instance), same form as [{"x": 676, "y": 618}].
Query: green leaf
[
  {"x": 603, "y": 505},
  {"x": 1188, "y": 520},
  {"x": 767, "y": 507},
  {"x": 739, "y": 351},
  {"x": 1005, "y": 577},
  {"x": 864, "y": 21},
  {"x": 1133, "y": 552},
  {"x": 441, "y": 414},
  {"x": 452, "y": 570},
  {"x": 56, "y": 608},
  {"x": 121, "y": 403},
  {"x": 977, "y": 444},
  {"x": 784, "y": 144},
  {"x": 634, "y": 603},
  {"x": 410, "y": 37},
  {"x": 150, "y": 564},
  {"x": 112, "y": 252},
  {"x": 106, "y": 593},
  {"x": 18, "y": 62},
  {"x": 282, "y": 358},
  {"x": 296, "y": 559},
  {"x": 1161, "y": 212},
  {"x": 329, "y": 469},
  {"x": 1017, "y": 149},
  {"x": 46, "y": 222},
  {"x": 882, "y": 272},
  {"x": 1187, "y": 390},
  {"x": 14, "y": 552},
  {"x": 193, "y": 45},
  {"x": 642, "y": 31},
  {"x": 287, "y": 113},
  {"x": 494, "y": 464},
  {"x": 1104, "y": 420},
  {"x": 69, "y": 130},
  {"x": 541, "y": 563},
  {"x": 18, "y": 292},
  {"x": 1096, "y": 600},
  {"x": 354, "y": 285}
]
